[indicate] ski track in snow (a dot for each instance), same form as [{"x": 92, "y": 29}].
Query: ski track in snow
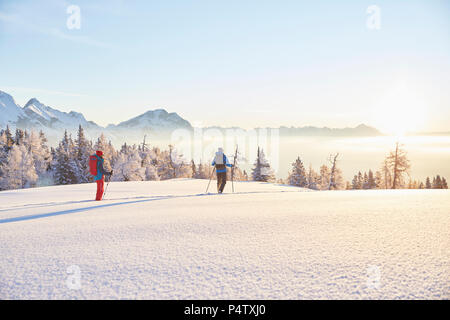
[{"x": 168, "y": 240}]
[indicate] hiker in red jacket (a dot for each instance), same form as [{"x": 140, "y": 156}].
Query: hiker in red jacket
[{"x": 97, "y": 170}]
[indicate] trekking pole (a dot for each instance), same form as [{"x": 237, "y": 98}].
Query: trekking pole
[
  {"x": 232, "y": 170},
  {"x": 210, "y": 178},
  {"x": 104, "y": 193},
  {"x": 232, "y": 180}
]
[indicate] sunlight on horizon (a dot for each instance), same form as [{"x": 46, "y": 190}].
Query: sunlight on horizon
[{"x": 400, "y": 111}]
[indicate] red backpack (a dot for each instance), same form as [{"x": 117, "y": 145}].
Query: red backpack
[{"x": 93, "y": 164}]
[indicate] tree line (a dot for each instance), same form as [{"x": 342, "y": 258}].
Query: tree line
[
  {"x": 27, "y": 161},
  {"x": 393, "y": 174}
]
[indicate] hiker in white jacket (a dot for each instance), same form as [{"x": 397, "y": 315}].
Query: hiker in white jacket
[{"x": 221, "y": 163}]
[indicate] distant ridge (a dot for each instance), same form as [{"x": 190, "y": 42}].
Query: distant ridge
[{"x": 156, "y": 123}]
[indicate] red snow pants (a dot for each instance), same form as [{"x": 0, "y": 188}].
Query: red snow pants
[{"x": 100, "y": 185}]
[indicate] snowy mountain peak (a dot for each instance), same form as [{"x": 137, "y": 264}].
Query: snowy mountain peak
[
  {"x": 35, "y": 108},
  {"x": 156, "y": 123},
  {"x": 32, "y": 101},
  {"x": 6, "y": 100},
  {"x": 158, "y": 119},
  {"x": 42, "y": 113},
  {"x": 38, "y": 116},
  {"x": 10, "y": 112}
]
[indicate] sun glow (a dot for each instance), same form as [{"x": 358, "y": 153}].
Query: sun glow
[{"x": 400, "y": 111}]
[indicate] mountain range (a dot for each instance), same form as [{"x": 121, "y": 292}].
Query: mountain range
[{"x": 157, "y": 124}]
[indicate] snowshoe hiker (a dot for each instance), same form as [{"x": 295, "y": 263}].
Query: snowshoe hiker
[
  {"x": 99, "y": 172},
  {"x": 221, "y": 163}
]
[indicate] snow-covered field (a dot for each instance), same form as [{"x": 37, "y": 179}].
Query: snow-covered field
[{"x": 168, "y": 240}]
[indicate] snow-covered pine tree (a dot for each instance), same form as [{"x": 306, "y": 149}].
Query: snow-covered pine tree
[
  {"x": 298, "y": 176},
  {"x": 193, "y": 169},
  {"x": 261, "y": 170},
  {"x": 444, "y": 183},
  {"x": 148, "y": 163},
  {"x": 371, "y": 183},
  {"x": 18, "y": 171},
  {"x": 348, "y": 186},
  {"x": 125, "y": 148},
  {"x": 3, "y": 138},
  {"x": 20, "y": 135},
  {"x": 83, "y": 149},
  {"x": 39, "y": 150},
  {"x": 162, "y": 163},
  {"x": 65, "y": 169},
  {"x": 428, "y": 183},
  {"x": 378, "y": 180},
  {"x": 437, "y": 182},
  {"x": 387, "y": 176},
  {"x": 360, "y": 180},
  {"x": 172, "y": 165},
  {"x": 181, "y": 167},
  {"x": 151, "y": 173},
  {"x": 36, "y": 144},
  {"x": 3, "y": 151},
  {"x": 339, "y": 182},
  {"x": 128, "y": 166},
  {"x": 9, "y": 138},
  {"x": 203, "y": 171},
  {"x": 365, "y": 183},
  {"x": 356, "y": 183},
  {"x": 313, "y": 179},
  {"x": 256, "y": 171},
  {"x": 324, "y": 181}
]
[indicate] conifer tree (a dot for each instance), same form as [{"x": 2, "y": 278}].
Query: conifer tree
[
  {"x": 437, "y": 182},
  {"x": 428, "y": 183},
  {"x": 18, "y": 171},
  {"x": 193, "y": 169},
  {"x": 83, "y": 149},
  {"x": 35, "y": 143},
  {"x": 20, "y": 135},
  {"x": 371, "y": 181},
  {"x": 3, "y": 152},
  {"x": 313, "y": 179},
  {"x": 444, "y": 183},
  {"x": 378, "y": 180},
  {"x": 261, "y": 170},
  {"x": 365, "y": 182},
  {"x": 151, "y": 173},
  {"x": 324, "y": 181},
  {"x": 64, "y": 164},
  {"x": 9, "y": 138},
  {"x": 298, "y": 177}
]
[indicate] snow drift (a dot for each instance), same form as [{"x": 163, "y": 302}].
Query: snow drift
[{"x": 168, "y": 240}]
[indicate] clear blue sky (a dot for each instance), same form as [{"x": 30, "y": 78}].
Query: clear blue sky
[{"x": 244, "y": 63}]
